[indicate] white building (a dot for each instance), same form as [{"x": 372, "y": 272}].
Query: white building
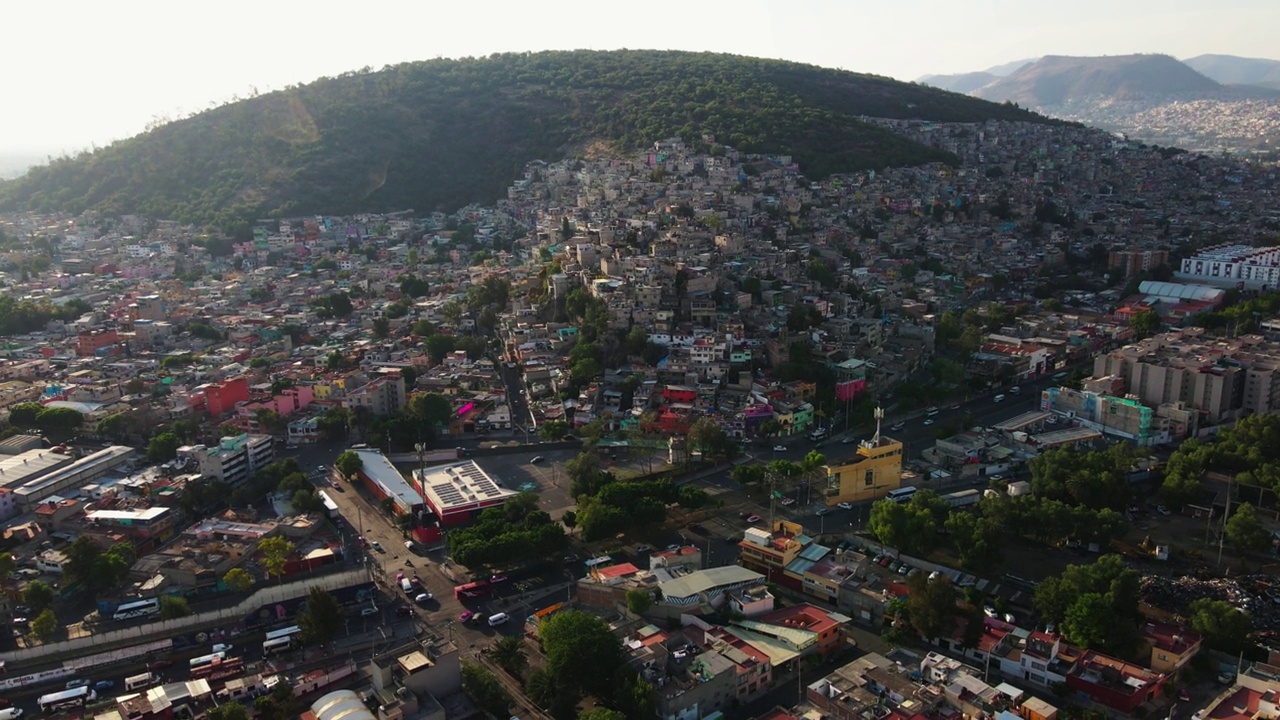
[
  {"x": 1234, "y": 265},
  {"x": 234, "y": 459}
]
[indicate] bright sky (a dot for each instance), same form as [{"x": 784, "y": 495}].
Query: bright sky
[{"x": 78, "y": 72}]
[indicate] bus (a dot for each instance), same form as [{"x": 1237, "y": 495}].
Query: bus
[
  {"x": 203, "y": 660},
  {"x": 901, "y": 495},
  {"x": 278, "y": 645},
  {"x": 330, "y": 507},
  {"x": 471, "y": 590},
  {"x": 219, "y": 669},
  {"x": 75, "y": 697},
  {"x": 963, "y": 498},
  {"x": 139, "y": 608},
  {"x": 283, "y": 632}
]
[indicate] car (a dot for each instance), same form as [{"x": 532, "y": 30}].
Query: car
[
  {"x": 928, "y": 421},
  {"x": 998, "y": 398},
  {"x": 884, "y": 561},
  {"x": 788, "y": 501},
  {"x": 779, "y": 448},
  {"x": 642, "y": 549},
  {"x": 1227, "y": 678},
  {"x": 466, "y": 617},
  {"x": 698, "y": 528},
  {"x": 989, "y": 611},
  {"x": 753, "y": 518},
  {"x": 20, "y": 621},
  {"x": 103, "y": 685},
  {"x": 403, "y": 611},
  {"x": 932, "y": 410},
  {"x": 1183, "y": 695},
  {"x": 954, "y": 407},
  {"x": 368, "y": 611},
  {"x": 877, "y": 558},
  {"x": 537, "y": 459},
  {"x": 1015, "y": 390},
  {"x": 822, "y": 511},
  {"x": 22, "y": 610},
  {"x": 848, "y": 439},
  {"x": 903, "y": 569},
  {"x": 495, "y": 579},
  {"x": 845, "y": 505},
  {"x": 335, "y": 485},
  {"x": 322, "y": 468},
  {"x": 1009, "y": 618},
  {"x": 408, "y": 545},
  {"x": 1162, "y": 510},
  {"x": 897, "y": 426},
  {"x": 892, "y": 565},
  {"x": 423, "y": 598},
  {"x": 376, "y": 546},
  {"x": 77, "y": 683}
]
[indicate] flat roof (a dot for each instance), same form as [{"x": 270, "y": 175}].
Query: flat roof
[
  {"x": 1023, "y": 420},
  {"x": 16, "y": 470},
  {"x": 460, "y": 486},
  {"x": 1075, "y": 434},
  {"x": 87, "y": 463},
  {"x": 379, "y": 469},
  {"x": 145, "y": 514},
  {"x": 694, "y": 583}
]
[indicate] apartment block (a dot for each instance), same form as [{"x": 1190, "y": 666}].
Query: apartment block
[
  {"x": 1233, "y": 265},
  {"x": 234, "y": 459}
]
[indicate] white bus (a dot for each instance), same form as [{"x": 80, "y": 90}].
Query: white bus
[
  {"x": 145, "y": 680},
  {"x": 75, "y": 697},
  {"x": 138, "y": 608},
  {"x": 901, "y": 495},
  {"x": 330, "y": 507},
  {"x": 284, "y": 632},
  {"x": 209, "y": 659},
  {"x": 277, "y": 645}
]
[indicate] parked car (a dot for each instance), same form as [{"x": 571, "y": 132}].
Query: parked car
[
  {"x": 928, "y": 421},
  {"x": 989, "y": 611},
  {"x": 753, "y": 518},
  {"x": 643, "y": 549},
  {"x": 537, "y": 459},
  {"x": 779, "y": 448},
  {"x": 377, "y": 546},
  {"x": 788, "y": 501},
  {"x": 103, "y": 685},
  {"x": 404, "y": 611},
  {"x": 822, "y": 511},
  {"x": 845, "y": 505},
  {"x": 466, "y": 617},
  {"x": 423, "y": 598}
]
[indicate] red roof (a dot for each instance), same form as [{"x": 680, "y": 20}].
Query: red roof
[{"x": 614, "y": 571}]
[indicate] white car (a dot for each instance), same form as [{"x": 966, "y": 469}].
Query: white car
[
  {"x": 929, "y": 421},
  {"x": 845, "y": 505},
  {"x": 779, "y": 448}
]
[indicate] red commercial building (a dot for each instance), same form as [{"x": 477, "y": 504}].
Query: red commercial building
[
  {"x": 221, "y": 398},
  {"x": 90, "y": 342}
]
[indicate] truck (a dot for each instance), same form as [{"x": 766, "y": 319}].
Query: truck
[{"x": 818, "y": 434}]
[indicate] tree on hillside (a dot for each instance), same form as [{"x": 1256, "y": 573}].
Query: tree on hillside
[
  {"x": 582, "y": 652},
  {"x": 322, "y": 617}
]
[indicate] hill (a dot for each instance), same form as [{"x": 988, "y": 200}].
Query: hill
[
  {"x": 443, "y": 133},
  {"x": 1233, "y": 70},
  {"x": 1056, "y": 80}
]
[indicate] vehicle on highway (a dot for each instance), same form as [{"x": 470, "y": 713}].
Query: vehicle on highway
[
  {"x": 788, "y": 501},
  {"x": 135, "y": 682},
  {"x": 933, "y": 410},
  {"x": 848, "y": 439},
  {"x": 822, "y": 511},
  {"x": 898, "y": 426},
  {"x": 376, "y": 546},
  {"x": 1015, "y": 390},
  {"x": 75, "y": 697},
  {"x": 103, "y": 685},
  {"x": 753, "y": 518},
  {"x": 537, "y": 459},
  {"x": 998, "y": 398},
  {"x": 779, "y": 448},
  {"x": 497, "y": 619},
  {"x": 928, "y": 421},
  {"x": 845, "y": 505}
]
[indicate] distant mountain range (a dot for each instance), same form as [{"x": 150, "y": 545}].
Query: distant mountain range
[{"x": 1208, "y": 102}]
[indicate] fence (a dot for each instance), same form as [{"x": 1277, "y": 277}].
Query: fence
[{"x": 125, "y": 637}]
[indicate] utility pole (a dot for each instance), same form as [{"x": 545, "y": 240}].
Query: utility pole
[{"x": 1222, "y": 534}]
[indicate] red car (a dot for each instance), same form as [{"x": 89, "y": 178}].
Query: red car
[{"x": 466, "y": 617}]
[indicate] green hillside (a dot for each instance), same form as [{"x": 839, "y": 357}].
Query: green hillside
[{"x": 442, "y": 133}]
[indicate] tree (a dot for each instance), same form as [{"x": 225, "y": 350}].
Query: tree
[
  {"x": 433, "y": 409},
  {"x": 1224, "y": 626},
  {"x": 584, "y": 472},
  {"x": 553, "y": 430},
  {"x": 639, "y": 601},
  {"x": 582, "y": 653},
  {"x": 1145, "y": 323},
  {"x": 237, "y": 579},
  {"x": 163, "y": 447},
  {"x": 280, "y": 704},
  {"x": 173, "y": 606},
  {"x": 1088, "y": 621},
  {"x": 24, "y": 414},
  {"x": 45, "y": 625},
  {"x": 7, "y": 564},
  {"x": 508, "y": 652},
  {"x": 275, "y": 554},
  {"x": 321, "y": 618},
  {"x": 349, "y": 464},
  {"x": 1246, "y": 532},
  {"x": 227, "y": 710},
  {"x": 38, "y": 596},
  {"x": 485, "y": 690},
  {"x": 601, "y": 713},
  {"x": 1096, "y": 605},
  {"x": 932, "y": 604},
  {"x": 381, "y": 327}
]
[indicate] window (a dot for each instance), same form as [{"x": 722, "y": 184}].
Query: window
[
  {"x": 870, "y": 478},
  {"x": 1163, "y": 657}
]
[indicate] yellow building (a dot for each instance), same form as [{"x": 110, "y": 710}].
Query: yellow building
[{"x": 868, "y": 475}]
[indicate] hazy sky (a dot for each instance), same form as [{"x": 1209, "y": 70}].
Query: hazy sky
[{"x": 82, "y": 72}]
